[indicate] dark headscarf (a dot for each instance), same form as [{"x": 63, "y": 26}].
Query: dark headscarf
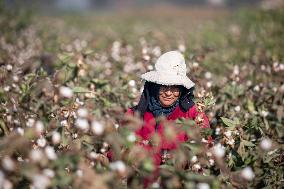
[{"x": 149, "y": 100}]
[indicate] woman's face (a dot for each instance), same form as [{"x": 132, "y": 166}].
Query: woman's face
[{"x": 168, "y": 95}]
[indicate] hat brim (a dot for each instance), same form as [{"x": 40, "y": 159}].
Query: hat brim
[{"x": 168, "y": 79}]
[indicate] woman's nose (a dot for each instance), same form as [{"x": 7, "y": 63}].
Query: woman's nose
[{"x": 168, "y": 92}]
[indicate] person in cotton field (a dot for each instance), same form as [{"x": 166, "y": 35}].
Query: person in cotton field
[{"x": 168, "y": 93}]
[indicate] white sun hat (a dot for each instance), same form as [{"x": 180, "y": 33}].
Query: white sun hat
[{"x": 170, "y": 69}]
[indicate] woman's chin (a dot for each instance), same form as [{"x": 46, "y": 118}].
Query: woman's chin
[{"x": 166, "y": 105}]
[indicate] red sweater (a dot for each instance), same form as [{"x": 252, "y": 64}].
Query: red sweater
[{"x": 149, "y": 128}]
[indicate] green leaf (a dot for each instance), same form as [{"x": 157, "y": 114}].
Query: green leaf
[
  {"x": 250, "y": 106},
  {"x": 65, "y": 57},
  {"x": 229, "y": 122},
  {"x": 3, "y": 127},
  {"x": 248, "y": 143},
  {"x": 80, "y": 90}
]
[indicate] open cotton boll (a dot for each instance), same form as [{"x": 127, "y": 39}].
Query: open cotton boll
[
  {"x": 36, "y": 155},
  {"x": 82, "y": 112},
  {"x": 247, "y": 173},
  {"x": 49, "y": 173},
  {"x": 266, "y": 144},
  {"x": 237, "y": 108},
  {"x": 194, "y": 159},
  {"x": 50, "y": 153},
  {"x": 39, "y": 127},
  {"x": 82, "y": 124},
  {"x": 40, "y": 181},
  {"x": 64, "y": 123},
  {"x": 131, "y": 137},
  {"x": 41, "y": 141},
  {"x": 132, "y": 83},
  {"x": 228, "y": 133},
  {"x": 118, "y": 166},
  {"x": 20, "y": 131},
  {"x": 208, "y": 75},
  {"x": 97, "y": 128},
  {"x": 203, "y": 186},
  {"x": 56, "y": 137},
  {"x": 9, "y": 67},
  {"x": 66, "y": 92},
  {"x": 218, "y": 150},
  {"x": 30, "y": 122},
  {"x": 8, "y": 164}
]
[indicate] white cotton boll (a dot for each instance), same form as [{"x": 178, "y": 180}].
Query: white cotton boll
[
  {"x": 20, "y": 159},
  {"x": 146, "y": 57},
  {"x": 82, "y": 112},
  {"x": 195, "y": 64},
  {"x": 211, "y": 162},
  {"x": 66, "y": 92},
  {"x": 40, "y": 181},
  {"x": 204, "y": 140},
  {"x": 150, "y": 67},
  {"x": 237, "y": 108},
  {"x": 236, "y": 70},
  {"x": 281, "y": 67},
  {"x": 194, "y": 159},
  {"x": 93, "y": 155},
  {"x": 231, "y": 141},
  {"x": 9, "y": 67},
  {"x": 103, "y": 150},
  {"x": 8, "y": 164},
  {"x": 264, "y": 113},
  {"x": 247, "y": 173},
  {"x": 39, "y": 127},
  {"x": 155, "y": 185},
  {"x": 209, "y": 84},
  {"x": 203, "y": 186},
  {"x": 228, "y": 133},
  {"x": 256, "y": 88},
  {"x": 208, "y": 75},
  {"x": 30, "y": 122},
  {"x": 16, "y": 78},
  {"x": 131, "y": 137},
  {"x": 132, "y": 83},
  {"x": 105, "y": 145},
  {"x": 36, "y": 155},
  {"x": 79, "y": 173},
  {"x": 49, "y": 173},
  {"x": 196, "y": 167},
  {"x": 266, "y": 144},
  {"x": 97, "y": 128},
  {"x": 134, "y": 90},
  {"x": 82, "y": 124},
  {"x": 56, "y": 137},
  {"x": 219, "y": 150},
  {"x": 181, "y": 48},
  {"x": 249, "y": 83},
  {"x": 41, "y": 141},
  {"x": 64, "y": 123},
  {"x": 157, "y": 51},
  {"x": 217, "y": 131},
  {"x": 50, "y": 153},
  {"x": 118, "y": 166},
  {"x": 20, "y": 131},
  {"x": 74, "y": 135},
  {"x": 79, "y": 102},
  {"x": 209, "y": 154},
  {"x": 6, "y": 184},
  {"x": 116, "y": 126}
]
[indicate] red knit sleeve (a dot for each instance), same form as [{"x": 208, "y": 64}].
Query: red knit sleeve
[{"x": 199, "y": 117}]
